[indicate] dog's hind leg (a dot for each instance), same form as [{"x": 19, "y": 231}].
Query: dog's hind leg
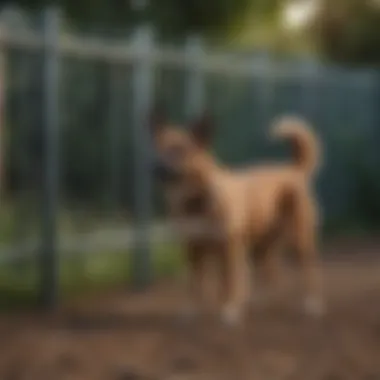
[{"x": 305, "y": 245}]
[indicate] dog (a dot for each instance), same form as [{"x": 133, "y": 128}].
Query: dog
[{"x": 227, "y": 212}]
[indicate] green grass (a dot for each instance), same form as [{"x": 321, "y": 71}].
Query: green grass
[{"x": 81, "y": 275}]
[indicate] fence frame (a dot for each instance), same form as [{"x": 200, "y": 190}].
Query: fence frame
[{"x": 49, "y": 287}]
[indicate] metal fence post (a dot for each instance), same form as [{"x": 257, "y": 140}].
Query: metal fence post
[
  {"x": 2, "y": 111},
  {"x": 114, "y": 136},
  {"x": 310, "y": 80},
  {"x": 142, "y": 100},
  {"x": 267, "y": 90},
  {"x": 49, "y": 254},
  {"x": 195, "y": 81}
]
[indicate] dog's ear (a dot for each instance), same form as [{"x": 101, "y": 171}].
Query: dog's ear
[
  {"x": 202, "y": 129},
  {"x": 157, "y": 119}
]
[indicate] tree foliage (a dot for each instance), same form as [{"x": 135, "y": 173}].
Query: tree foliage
[
  {"x": 172, "y": 18},
  {"x": 348, "y": 31}
]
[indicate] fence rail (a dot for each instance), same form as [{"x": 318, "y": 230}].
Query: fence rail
[
  {"x": 102, "y": 238},
  {"x": 127, "y": 53}
]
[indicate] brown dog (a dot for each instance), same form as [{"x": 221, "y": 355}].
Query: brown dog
[{"x": 227, "y": 212}]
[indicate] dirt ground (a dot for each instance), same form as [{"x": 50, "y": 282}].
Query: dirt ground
[{"x": 129, "y": 336}]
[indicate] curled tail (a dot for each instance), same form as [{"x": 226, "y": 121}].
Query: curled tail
[{"x": 306, "y": 149}]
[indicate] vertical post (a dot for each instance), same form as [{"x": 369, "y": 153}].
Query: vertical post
[
  {"x": 114, "y": 137},
  {"x": 22, "y": 214},
  {"x": 2, "y": 111},
  {"x": 49, "y": 258},
  {"x": 310, "y": 80},
  {"x": 268, "y": 84},
  {"x": 265, "y": 69},
  {"x": 376, "y": 109},
  {"x": 195, "y": 80},
  {"x": 142, "y": 99}
]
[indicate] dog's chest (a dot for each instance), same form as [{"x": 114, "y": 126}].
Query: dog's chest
[
  {"x": 196, "y": 205},
  {"x": 195, "y": 217}
]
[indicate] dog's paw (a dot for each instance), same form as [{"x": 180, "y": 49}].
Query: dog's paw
[
  {"x": 314, "y": 307},
  {"x": 230, "y": 315}
]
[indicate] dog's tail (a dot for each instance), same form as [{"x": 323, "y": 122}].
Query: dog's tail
[{"x": 305, "y": 144}]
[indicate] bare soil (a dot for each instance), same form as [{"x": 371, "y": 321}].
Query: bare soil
[{"x": 130, "y": 336}]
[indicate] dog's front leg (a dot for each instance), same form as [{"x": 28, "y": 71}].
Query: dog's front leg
[{"x": 236, "y": 273}]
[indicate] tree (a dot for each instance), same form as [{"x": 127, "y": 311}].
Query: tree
[
  {"x": 348, "y": 31},
  {"x": 172, "y": 18}
]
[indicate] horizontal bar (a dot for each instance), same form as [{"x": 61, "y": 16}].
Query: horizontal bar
[
  {"x": 93, "y": 242},
  {"x": 121, "y": 53}
]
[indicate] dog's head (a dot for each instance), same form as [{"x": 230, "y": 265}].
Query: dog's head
[{"x": 181, "y": 153}]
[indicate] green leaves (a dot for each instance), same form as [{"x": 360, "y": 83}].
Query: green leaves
[
  {"x": 173, "y": 19},
  {"x": 349, "y": 31}
]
